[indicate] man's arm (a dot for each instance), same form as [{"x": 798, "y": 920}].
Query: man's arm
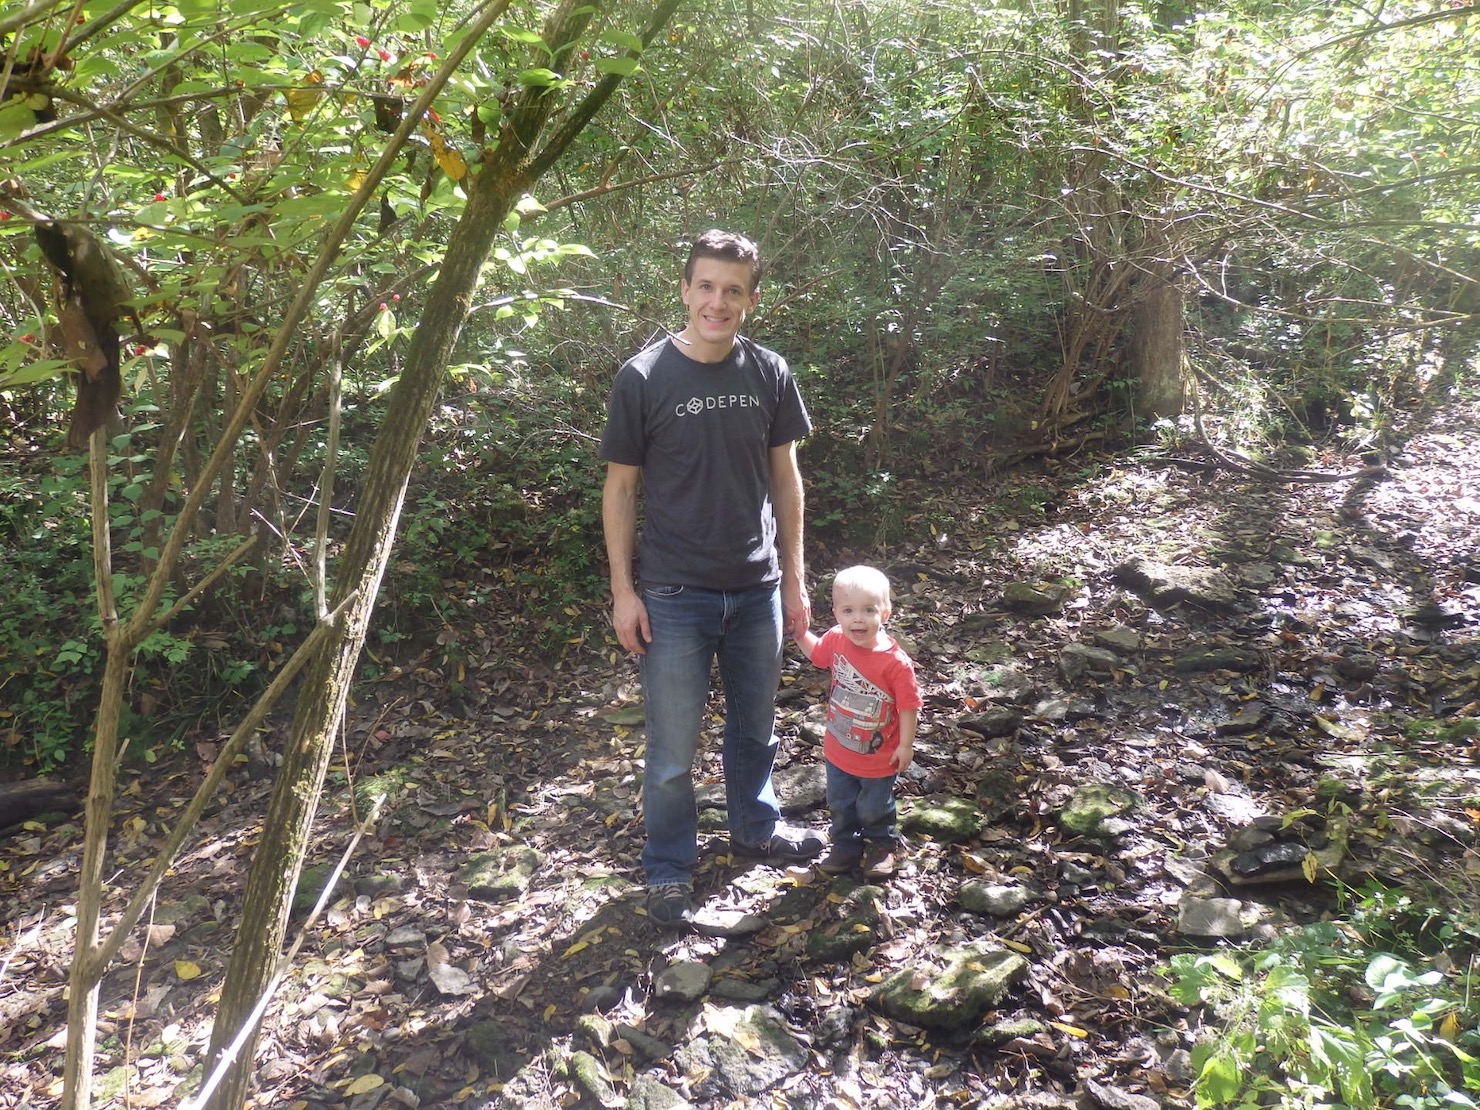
[
  {"x": 786, "y": 495},
  {"x": 619, "y": 523}
]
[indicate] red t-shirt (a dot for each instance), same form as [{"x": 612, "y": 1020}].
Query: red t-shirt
[{"x": 870, "y": 688}]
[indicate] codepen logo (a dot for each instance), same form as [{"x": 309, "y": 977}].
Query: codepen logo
[{"x": 696, "y": 405}]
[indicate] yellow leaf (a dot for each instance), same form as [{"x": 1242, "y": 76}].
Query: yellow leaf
[
  {"x": 302, "y": 99},
  {"x": 365, "y": 1084},
  {"x": 1072, "y": 1030},
  {"x": 578, "y": 946},
  {"x": 450, "y": 161},
  {"x": 1017, "y": 946},
  {"x": 1449, "y": 1027},
  {"x": 1310, "y": 865},
  {"x": 187, "y": 970},
  {"x": 550, "y": 1011}
]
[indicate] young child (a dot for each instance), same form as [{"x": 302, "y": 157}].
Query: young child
[{"x": 873, "y": 710}]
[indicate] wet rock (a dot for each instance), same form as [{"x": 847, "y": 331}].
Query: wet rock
[{"x": 952, "y": 991}]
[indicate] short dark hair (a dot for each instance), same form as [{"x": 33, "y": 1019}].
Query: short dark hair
[{"x": 727, "y": 246}]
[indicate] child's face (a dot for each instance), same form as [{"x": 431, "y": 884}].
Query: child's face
[{"x": 860, "y": 614}]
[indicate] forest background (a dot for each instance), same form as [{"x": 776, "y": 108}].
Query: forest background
[{"x": 358, "y": 275}]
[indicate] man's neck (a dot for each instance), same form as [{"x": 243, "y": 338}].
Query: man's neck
[{"x": 701, "y": 351}]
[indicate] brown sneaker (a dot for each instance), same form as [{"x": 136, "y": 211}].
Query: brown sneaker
[
  {"x": 878, "y": 860},
  {"x": 838, "y": 862}
]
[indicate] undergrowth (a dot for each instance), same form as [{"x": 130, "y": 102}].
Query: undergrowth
[{"x": 1378, "y": 1008}]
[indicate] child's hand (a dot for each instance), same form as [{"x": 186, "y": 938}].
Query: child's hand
[{"x": 904, "y": 755}]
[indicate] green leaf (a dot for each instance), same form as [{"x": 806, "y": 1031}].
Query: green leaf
[
  {"x": 39, "y": 371},
  {"x": 524, "y": 35},
  {"x": 622, "y": 40},
  {"x": 539, "y": 78},
  {"x": 1220, "y": 1079},
  {"x": 624, "y": 67}
]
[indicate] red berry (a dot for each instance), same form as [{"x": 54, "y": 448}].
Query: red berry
[
  {"x": 384, "y": 307},
  {"x": 362, "y": 42},
  {"x": 28, "y": 339},
  {"x": 395, "y": 296},
  {"x": 385, "y": 55},
  {"x": 432, "y": 56},
  {"x": 159, "y": 196}
]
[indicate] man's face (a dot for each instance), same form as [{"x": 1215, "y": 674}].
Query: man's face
[{"x": 718, "y": 298}]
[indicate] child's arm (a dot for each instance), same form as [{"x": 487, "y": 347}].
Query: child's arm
[
  {"x": 808, "y": 641},
  {"x": 909, "y": 721}
]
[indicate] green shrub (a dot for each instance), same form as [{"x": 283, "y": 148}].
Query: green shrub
[{"x": 1322, "y": 1018}]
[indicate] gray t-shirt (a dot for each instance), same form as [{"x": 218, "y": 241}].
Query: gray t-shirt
[{"x": 702, "y": 433}]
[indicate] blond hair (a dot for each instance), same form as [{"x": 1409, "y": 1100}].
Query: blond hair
[{"x": 868, "y": 580}]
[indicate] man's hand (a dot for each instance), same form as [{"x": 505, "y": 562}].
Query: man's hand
[
  {"x": 630, "y": 619},
  {"x": 797, "y": 607}
]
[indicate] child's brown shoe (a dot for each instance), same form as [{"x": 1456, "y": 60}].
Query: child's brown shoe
[
  {"x": 878, "y": 860},
  {"x": 838, "y": 862}
]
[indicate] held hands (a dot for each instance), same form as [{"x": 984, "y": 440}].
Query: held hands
[{"x": 797, "y": 607}]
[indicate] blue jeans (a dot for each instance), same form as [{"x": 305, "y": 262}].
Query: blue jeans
[
  {"x": 862, "y": 810},
  {"x": 691, "y": 628}
]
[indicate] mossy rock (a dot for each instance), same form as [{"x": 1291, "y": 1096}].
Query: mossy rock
[
  {"x": 493, "y": 1049},
  {"x": 1445, "y": 731},
  {"x": 500, "y": 876},
  {"x": 854, "y": 928},
  {"x": 950, "y": 820},
  {"x": 970, "y": 980},
  {"x": 311, "y": 882},
  {"x": 386, "y": 789},
  {"x": 1092, "y": 805}
]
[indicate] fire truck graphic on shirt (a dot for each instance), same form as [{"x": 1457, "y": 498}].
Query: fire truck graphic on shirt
[{"x": 857, "y": 710}]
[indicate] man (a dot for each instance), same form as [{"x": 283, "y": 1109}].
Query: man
[{"x": 705, "y": 424}]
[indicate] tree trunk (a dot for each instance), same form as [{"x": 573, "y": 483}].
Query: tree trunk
[
  {"x": 1156, "y": 350},
  {"x": 507, "y": 172}
]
